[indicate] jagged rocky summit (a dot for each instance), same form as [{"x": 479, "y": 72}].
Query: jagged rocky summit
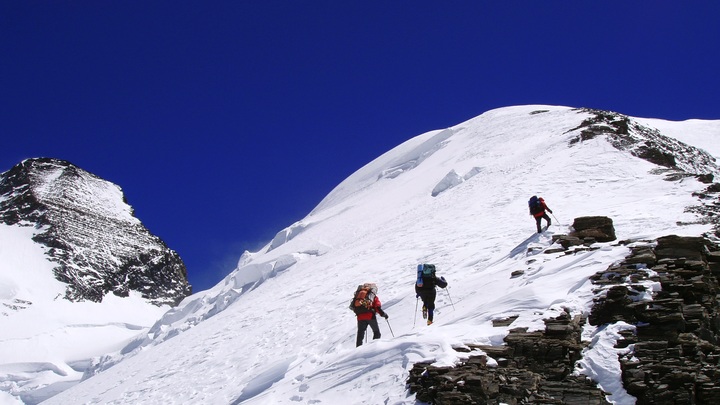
[{"x": 91, "y": 233}]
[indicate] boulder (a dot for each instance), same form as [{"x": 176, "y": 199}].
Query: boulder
[
  {"x": 673, "y": 246},
  {"x": 600, "y": 228}
]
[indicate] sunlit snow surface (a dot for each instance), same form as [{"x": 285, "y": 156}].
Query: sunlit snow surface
[{"x": 277, "y": 330}]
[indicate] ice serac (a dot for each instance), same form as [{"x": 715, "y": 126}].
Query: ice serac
[{"x": 91, "y": 233}]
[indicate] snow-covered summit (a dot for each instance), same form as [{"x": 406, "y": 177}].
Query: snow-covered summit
[{"x": 277, "y": 329}]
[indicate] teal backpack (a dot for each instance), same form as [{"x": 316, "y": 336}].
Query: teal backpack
[{"x": 426, "y": 275}]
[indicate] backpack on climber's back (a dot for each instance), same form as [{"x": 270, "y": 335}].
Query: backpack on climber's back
[
  {"x": 426, "y": 274},
  {"x": 535, "y": 205},
  {"x": 363, "y": 298}
]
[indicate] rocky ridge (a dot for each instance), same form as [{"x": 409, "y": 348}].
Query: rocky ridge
[
  {"x": 644, "y": 142},
  {"x": 676, "y": 160},
  {"x": 91, "y": 233},
  {"x": 674, "y": 347},
  {"x": 536, "y": 367},
  {"x": 532, "y": 368},
  {"x": 667, "y": 292}
]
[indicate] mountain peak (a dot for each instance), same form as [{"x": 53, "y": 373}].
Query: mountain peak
[{"x": 90, "y": 232}]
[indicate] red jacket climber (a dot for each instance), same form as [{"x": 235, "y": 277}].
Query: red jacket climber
[
  {"x": 368, "y": 319},
  {"x": 537, "y": 210}
]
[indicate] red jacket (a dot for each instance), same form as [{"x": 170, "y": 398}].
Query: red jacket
[
  {"x": 543, "y": 208},
  {"x": 376, "y": 307}
]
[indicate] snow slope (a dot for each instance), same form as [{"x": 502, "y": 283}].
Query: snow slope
[{"x": 277, "y": 330}]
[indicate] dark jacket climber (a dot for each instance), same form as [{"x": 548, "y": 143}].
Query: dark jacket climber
[{"x": 425, "y": 289}]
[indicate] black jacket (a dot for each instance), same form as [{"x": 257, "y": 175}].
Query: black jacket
[{"x": 429, "y": 283}]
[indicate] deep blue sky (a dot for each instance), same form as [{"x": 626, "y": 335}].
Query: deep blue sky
[{"x": 225, "y": 121}]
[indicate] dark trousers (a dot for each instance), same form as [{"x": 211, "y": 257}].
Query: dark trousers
[
  {"x": 428, "y": 298},
  {"x": 545, "y": 217},
  {"x": 362, "y": 327}
]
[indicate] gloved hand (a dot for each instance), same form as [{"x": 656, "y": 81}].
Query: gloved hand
[
  {"x": 549, "y": 210},
  {"x": 385, "y": 315},
  {"x": 443, "y": 279}
]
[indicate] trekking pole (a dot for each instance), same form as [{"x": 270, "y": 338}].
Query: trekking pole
[
  {"x": 556, "y": 220},
  {"x": 447, "y": 289},
  {"x": 416, "y": 304},
  {"x": 391, "y": 332}
]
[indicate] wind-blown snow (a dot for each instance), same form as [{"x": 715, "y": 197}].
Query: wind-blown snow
[{"x": 277, "y": 330}]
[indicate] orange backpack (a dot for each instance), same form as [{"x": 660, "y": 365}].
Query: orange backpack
[{"x": 363, "y": 298}]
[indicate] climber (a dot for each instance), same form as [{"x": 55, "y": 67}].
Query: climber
[{"x": 537, "y": 209}]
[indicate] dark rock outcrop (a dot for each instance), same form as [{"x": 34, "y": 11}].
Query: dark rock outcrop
[
  {"x": 532, "y": 368},
  {"x": 644, "y": 142},
  {"x": 675, "y": 356},
  {"x": 674, "y": 348},
  {"x": 91, "y": 233},
  {"x": 586, "y": 231},
  {"x": 599, "y": 228}
]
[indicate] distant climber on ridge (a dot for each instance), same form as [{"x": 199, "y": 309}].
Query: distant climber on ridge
[
  {"x": 425, "y": 289},
  {"x": 537, "y": 209}
]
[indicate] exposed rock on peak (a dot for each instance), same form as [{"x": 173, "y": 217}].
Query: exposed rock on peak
[
  {"x": 98, "y": 244},
  {"x": 644, "y": 142}
]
